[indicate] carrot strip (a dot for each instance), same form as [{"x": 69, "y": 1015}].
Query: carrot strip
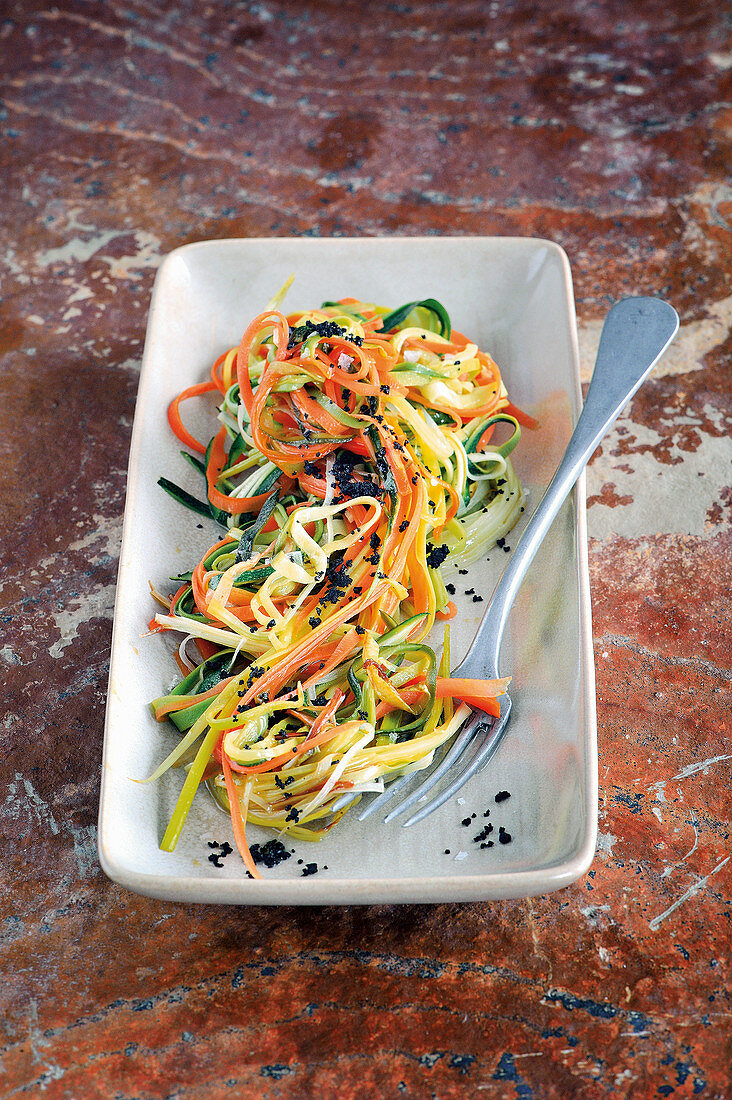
[
  {"x": 180, "y": 702},
  {"x": 449, "y": 613},
  {"x": 206, "y": 648},
  {"x": 326, "y": 714},
  {"x": 174, "y": 415},
  {"x": 237, "y": 819},
  {"x": 477, "y": 693},
  {"x": 245, "y": 349},
  {"x": 233, "y": 505},
  {"x": 344, "y": 649},
  {"x": 410, "y": 695},
  {"x": 221, "y": 382},
  {"x": 523, "y": 418},
  {"x": 307, "y": 649}
]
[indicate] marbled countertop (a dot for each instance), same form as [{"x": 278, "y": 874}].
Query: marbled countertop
[{"x": 131, "y": 128}]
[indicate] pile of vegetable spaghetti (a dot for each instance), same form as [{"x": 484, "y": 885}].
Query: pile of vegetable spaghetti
[{"x": 352, "y": 464}]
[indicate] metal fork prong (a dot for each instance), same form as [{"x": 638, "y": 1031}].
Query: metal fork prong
[
  {"x": 343, "y": 801},
  {"x": 480, "y": 758},
  {"x": 381, "y": 800},
  {"x": 456, "y": 750}
]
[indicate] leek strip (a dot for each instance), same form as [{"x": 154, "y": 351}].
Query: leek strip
[
  {"x": 227, "y": 638},
  {"x": 191, "y": 785}
]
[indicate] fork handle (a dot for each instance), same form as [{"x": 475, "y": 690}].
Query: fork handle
[{"x": 635, "y": 335}]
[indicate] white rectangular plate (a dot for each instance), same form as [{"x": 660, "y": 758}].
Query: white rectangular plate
[{"x": 514, "y": 296}]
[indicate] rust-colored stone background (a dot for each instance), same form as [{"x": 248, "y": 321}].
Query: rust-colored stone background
[{"x": 129, "y": 128}]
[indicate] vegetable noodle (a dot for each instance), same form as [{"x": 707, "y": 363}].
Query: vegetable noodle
[{"x": 354, "y": 463}]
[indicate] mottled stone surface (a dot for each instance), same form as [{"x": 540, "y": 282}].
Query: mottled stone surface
[{"x": 128, "y": 129}]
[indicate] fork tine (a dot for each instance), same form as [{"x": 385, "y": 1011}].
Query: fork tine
[
  {"x": 343, "y": 801},
  {"x": 483, "y": 753},
  {"x": 405, "y": 780},
  {"x": 456, "y": 749},
  {"x": 385, "y": 796}
]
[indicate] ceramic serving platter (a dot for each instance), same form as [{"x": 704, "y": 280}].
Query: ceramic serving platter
[{"x": 514, "y": 296}]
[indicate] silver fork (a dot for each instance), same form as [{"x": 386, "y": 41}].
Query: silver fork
[{"x": 635, "y": 335}]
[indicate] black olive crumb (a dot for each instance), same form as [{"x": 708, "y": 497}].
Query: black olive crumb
[
  {"x": 436, "y": 555},
  {"x": 270, "y": 854},
  {"x": 225, "y": 849}
]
